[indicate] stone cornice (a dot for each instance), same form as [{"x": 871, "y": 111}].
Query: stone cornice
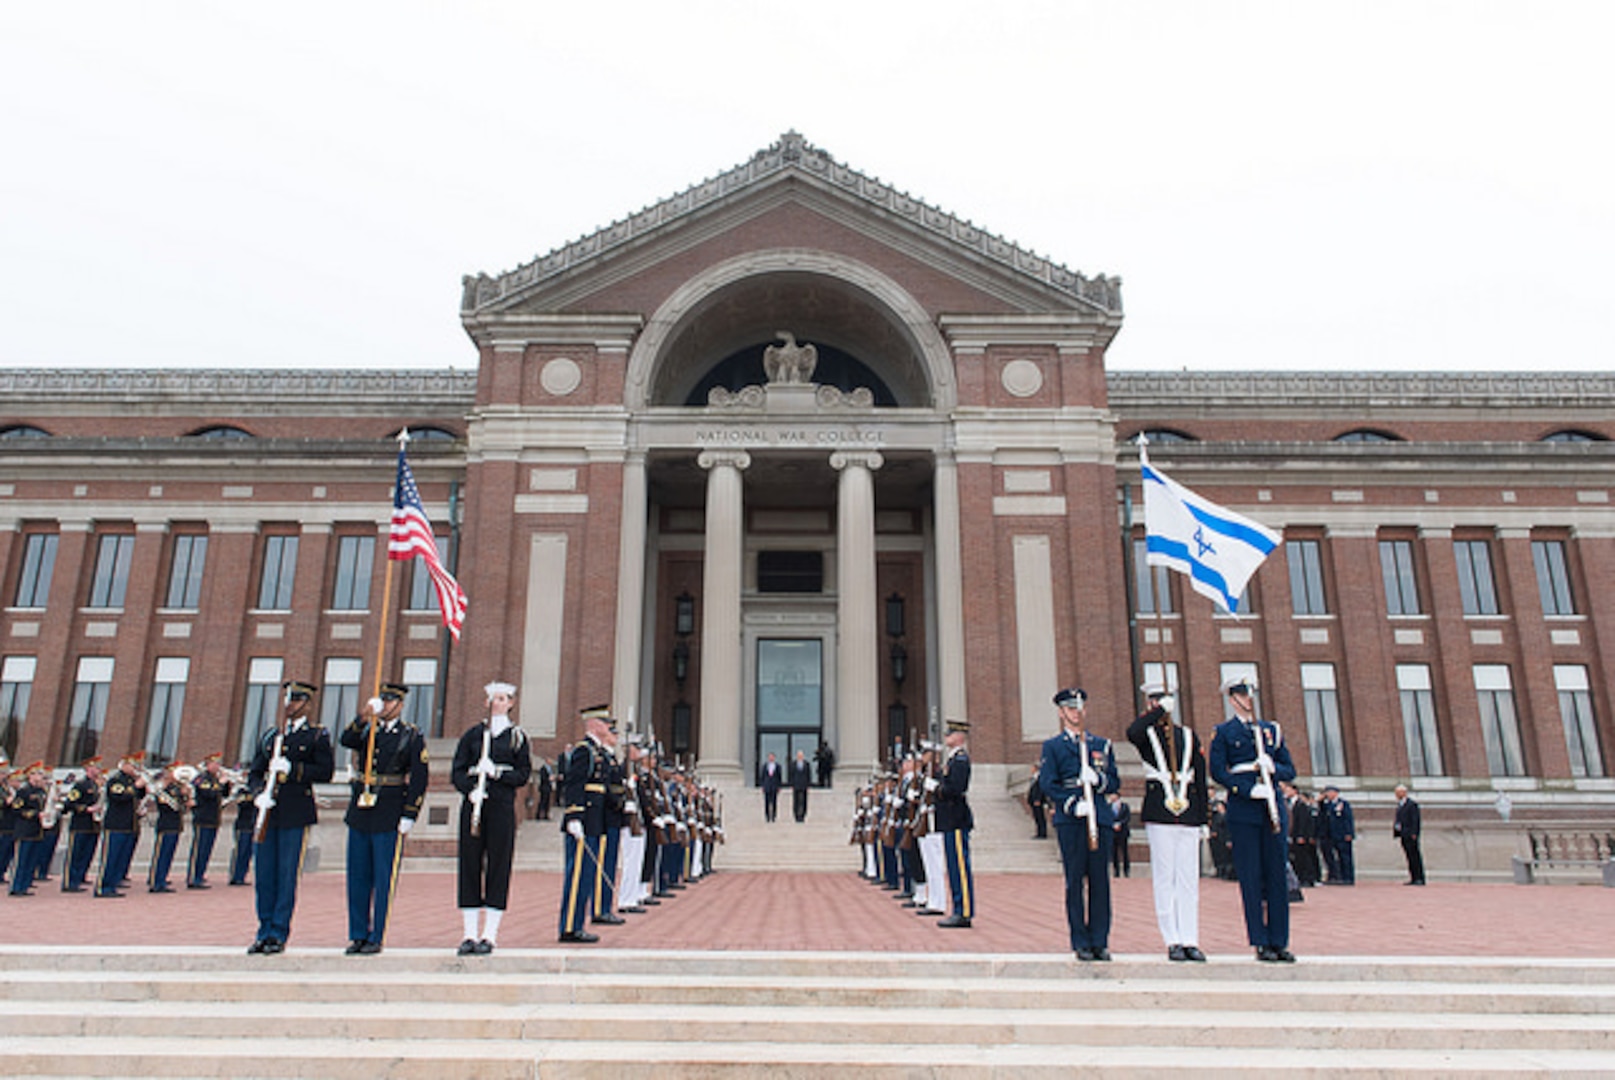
[
  {"x": 208, "y": 390},
  {"x": 1414, "y": 389},
  {"x": 791, "y": 154}
]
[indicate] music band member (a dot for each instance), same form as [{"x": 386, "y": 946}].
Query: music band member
[
  {"x": 81, "y": 804},
  {"x": 28, "y": 808},
  {"x": 492, "y": 762},
  {"x": 1077, "y": 771},
  {"x": 172, "y": 797},
  {"x": 120, "y": 825},
  {"x": 1174, "y": 811},
  {"x": 208, "y": 791},
  {"x": 389, "y": 781},
  {"x": 290, "y": 759}
]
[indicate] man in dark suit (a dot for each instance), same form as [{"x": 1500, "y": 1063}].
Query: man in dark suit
[
  {"x": 1406, "y": 829},
  {"x": 769, "y": 780},
  {"x": 1078, "y": 772},
  {"x": 801, "y": 780},
  {"x": 1121, "y": 860}
]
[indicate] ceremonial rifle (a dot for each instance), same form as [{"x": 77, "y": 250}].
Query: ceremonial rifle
[{"x": 271, "y": 778}]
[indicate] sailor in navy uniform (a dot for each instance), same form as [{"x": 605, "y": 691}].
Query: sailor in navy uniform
[
  {"x": 954, "y": 821},
  {"x": 381, "y": 814},
  {"x": 584, "y": 787},
  {"x": 283, "y": 792},
  {"x": 1174, "y": 812},
  {"x": 1077, "y": 771},
  {"x": 492, "y": 762},
  {"x": 83, "y": 830},
  {"x": 1249, "y": 758},
  {"x": 120, "y": 829}
]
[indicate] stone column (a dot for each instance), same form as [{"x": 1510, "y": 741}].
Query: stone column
[
  {"x": 950, "y": 615},
  {"x": 857, "y": 610},
  {"x": 721, "y": 692},
  {"x": 630, "y": 593}
]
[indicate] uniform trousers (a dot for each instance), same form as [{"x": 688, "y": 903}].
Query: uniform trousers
[
  {"x": 697, "y": 857},
  {"x": 80, "y": 854},
  {"x": 278, "y": 861},
  {"x": 936, "y": 872},
  {"x": 961, "y": 881},
  {"x": 888, "y": 866},
  {"x": 373, "y": 859},
  {"x": 241, "y": 857},
  {"x": 605, "y": 873},
  {"x": 162, "y": 860},
  {"x": 117, "y": 850},
  {"x": 1259, "y": 864},
  {"x": 1175, "y": 875},
  {"x": 1343, "y": 859},
  {"x": 672, "y": 860},
  {"x": 202, "y": 840},
  {"x": 582, "y": 856},
  {"x": 29, "y": 855},
  {"x": 484, "y": 872},
  {"x": 8, "y": 852},
  {"x": 1087, "y": 884},
  {"x": 633, "y": 866}
]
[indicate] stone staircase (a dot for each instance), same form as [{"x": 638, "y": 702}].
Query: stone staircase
[{"x": 179, "y": 1013}]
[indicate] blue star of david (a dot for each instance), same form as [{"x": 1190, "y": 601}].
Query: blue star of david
[{"x": 1202, "y": 544}]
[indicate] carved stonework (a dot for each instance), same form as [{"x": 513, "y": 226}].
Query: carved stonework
[
  {"x": 828, "y": 397},
  {"x": 790, "y": 362}
]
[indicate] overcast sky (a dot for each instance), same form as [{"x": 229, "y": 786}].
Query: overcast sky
[{"x": 1285, "y": 185}]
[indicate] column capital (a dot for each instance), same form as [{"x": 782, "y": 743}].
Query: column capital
[
  {"x": 739, "y": 459},
  {"x": 869, "y": 459}
]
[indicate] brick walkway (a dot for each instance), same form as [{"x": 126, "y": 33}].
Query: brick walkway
[{"x": 1018, "y": 914}]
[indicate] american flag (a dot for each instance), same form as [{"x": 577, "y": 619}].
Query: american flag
[{"x": 412, "y": 535}]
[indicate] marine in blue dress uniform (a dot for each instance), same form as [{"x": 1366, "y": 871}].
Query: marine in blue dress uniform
[
  {"x": 381, "y": 813},
  {"x": 208, "y": 791},
  {"x": 83, "y": 830},
  {"x": 1249, "y": 758},
  {"x": 954, "y": 821},
  {"x": 583, "y": 821},
  {"x": 120, "y": 827},
  {"x": 492, "y": 762},
  {"x": 1077, "y": 771},
  {"x": 283, "y": 786}
]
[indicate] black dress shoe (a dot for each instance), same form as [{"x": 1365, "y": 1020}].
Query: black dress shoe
[
  {"x": 197, "y": 885},
  {"x": 1085, "y": 955},
  {"x": 274, "y": 946},
  {"x": 1265, "y": 955},
  {"x": 354, "y": 947},
  {"x": 910, "y": 903},
  {"x": 582, "y": 937},
  {"x": 954, "y": 922},
  {"x": 468, "y": 947},
  {"x": 484, "y": 947},
  {"x": 650, "y": 901},
  {"x": 632, "y": 909},
  {"x": 608, "y": 919},
  {"x": 1177, "y": 953},
  {"x": 254, "y": 949},
  {"x": 1190, "y": 952},
  {"x": 1282, "y": 955},
  {"x": 73, "y": 888},
  {"x": 110, "y": 894},
  {"x": 1101, "y": 954},
  {"x": 161, "y": 888},
  {"x": 369, "y": 948}
]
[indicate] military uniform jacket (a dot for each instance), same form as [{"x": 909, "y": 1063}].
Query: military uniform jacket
[
  {"x": 1154, "y": 810},
  {"x": 123, "y": 798},
  {"x": 79, "y": 802},
  {"x": 308, "y": 747},
  {"x": 1061, "y": 776},
  {"x": 171, "y": 807},
  {"x": 1233, "y": 744},
  {"x": 1342, "y": 822},
  {"x": 400, "y": 774},
  {"x": 509, "y": 748},
  {"x": 26, "y": 806},
  {"x": 583, "y": 788},
  {"x": 246, "y": 813},
  {"x": 616, "y": 795},
  {"x": 952, "y": 804},
  {"x": 207, "y": 794}
]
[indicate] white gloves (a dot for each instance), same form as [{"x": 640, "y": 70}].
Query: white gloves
[
  {"x": 404, "y": 825},
  {"x": 931, "y": 783},
  {"x": 1074, "y": 807},
  {"x": 477, "y": 796},
  {"x": 486, "y": 767},
  {"x": 630, "y": 807},
  {"x": 575, "y": 828},
  {"x": 264, "y": 800},
  {"x": 1264, "y": 764},
  {"x": 1261, "y": 791},
  {"x": 280, "y": 766},
  {"x": 1167, "y": 703},
  {"x": 1089, "y": 777}
]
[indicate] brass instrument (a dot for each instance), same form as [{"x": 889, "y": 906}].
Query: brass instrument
[{"x": 51, "y": 813}]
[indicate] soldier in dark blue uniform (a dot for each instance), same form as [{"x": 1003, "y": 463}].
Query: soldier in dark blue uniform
[
  {"x": 208, "y": 790},
  {"x": 1077, "y": 771},
  {"x": 9, "y": 780},
  {"x": 381, "y": 812},
  {"x": 246, "y": 818},
  {"x": 1249, "y": 758},
  {"x": 605, "y": 876},
  {"x": 120, "y": 829},
  {"x": 954, "y": 821},
  {"x": 83, "y": 830},
  {"x": 172, "y": 798},
  {"x": 492, "y": 762},
  {"x": 27, "y": 805},
  {"x": 583, "y": 821},
  {"x": 1342, "y": 825},
  {"x": 290, "y": 760}
]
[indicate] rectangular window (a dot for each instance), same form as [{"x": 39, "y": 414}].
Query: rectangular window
[
  {"x": 87, "y": 714},
  {"x": 167, "y": 702},
  {"x": 422, "y": 593},
  {"x": 1553, "y": 577},
  {"x": 1499, "y": 724},
  {"x": 339, "y": 697},
  {"x": 16, "y": 687},
  {"x": 790, "y": 571},
  {"x": 262, "y": 710},
  {"x": 38, "y": 563},
  {"x": 419, "y": 708},
  {"x": 185, "y": 572},
  {"x": 1576, "y": 710},
  {"x": 351, "y": 589},
  {"x": 1152, "y": 674},
  {"x": 111, "y": 571},
  {"x": 1306, "y": 577},
  {"x": 1419, "y": 720},
  {"x": 1401, "y": 587},
  {"x": 280, "y": 571},
  {"x": 1475, "y": 583},
  {"x": 1323, "y": 719},
  {"x": 1151, "y": 585}
]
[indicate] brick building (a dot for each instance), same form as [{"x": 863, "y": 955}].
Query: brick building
[{"x": 791, "y": 456}]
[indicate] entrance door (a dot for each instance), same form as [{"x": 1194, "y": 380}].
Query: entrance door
[{"x": 790, "y": 698}]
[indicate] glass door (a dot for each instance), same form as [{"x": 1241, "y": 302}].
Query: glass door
[{"x": 790, "y": 698}]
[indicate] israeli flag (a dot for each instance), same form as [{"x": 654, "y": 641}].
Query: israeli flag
[{"x": 1218, "y": 549}]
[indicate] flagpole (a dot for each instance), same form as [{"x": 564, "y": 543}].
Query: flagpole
[{"x": 367, "y": 797}]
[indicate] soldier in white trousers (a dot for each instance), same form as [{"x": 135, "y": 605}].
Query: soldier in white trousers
[{"x": 1174, "y": 812}]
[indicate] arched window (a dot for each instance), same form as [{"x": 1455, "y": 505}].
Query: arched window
[
  {"x": 428, "y": 434},
  {"x": 1165, "y": 435},
  {"x": 23, "y": 431},
  {"x": 221, "y": 431},
  {"x": 1367, "y": 435},
  {"x": 1573, "y": 435}
]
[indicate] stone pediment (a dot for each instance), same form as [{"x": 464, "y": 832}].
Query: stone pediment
[{"x": 790, "y": 160}]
